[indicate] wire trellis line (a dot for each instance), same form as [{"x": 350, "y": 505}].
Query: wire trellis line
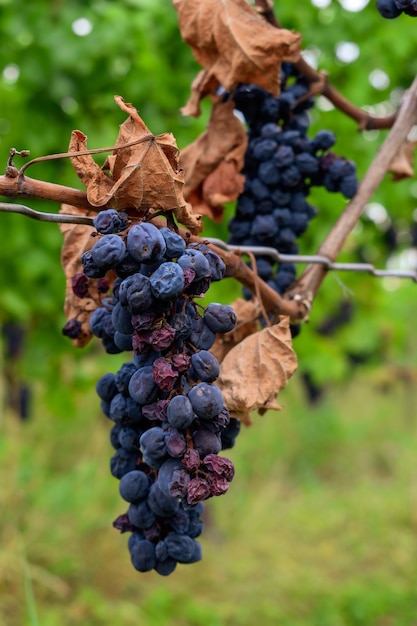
[
  {"x": 313, "y": 258},
  {"x": 279, "y": 257},
  {"x": 60, "y": 218}
]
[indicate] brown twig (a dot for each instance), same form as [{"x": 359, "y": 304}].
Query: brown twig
[
  {"x": 308, "y": 284},
  {"x": 15, "y": 186},
  {"x": 365, "y": 120}
]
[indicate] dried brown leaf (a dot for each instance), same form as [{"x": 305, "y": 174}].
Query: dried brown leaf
[
  {"x": 144, "y": 172},
  {"x": 224, "y": 136},
  {"x": 402, "y": 165},
  {"x": 202, "y": 85},
  {"x": 202, "y": 207},
  {"x": 212, "y": 163},
  {"x": 77, "y": 239},
  {"x": 97, "y": 182},
  {"x": 234, "y": 44},
  {"x": 256, "y": 369},
  {"x": 224, "y": 184}
]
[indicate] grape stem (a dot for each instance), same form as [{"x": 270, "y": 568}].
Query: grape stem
[
  {"x": 320, "y": 84},
  {"x": 14, "y": 186}
]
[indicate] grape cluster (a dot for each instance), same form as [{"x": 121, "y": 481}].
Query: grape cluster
[
  {"x": 391, "y": 9},
  {"x": 169, "y": 418},
  {"x": 281, "y": 165}
]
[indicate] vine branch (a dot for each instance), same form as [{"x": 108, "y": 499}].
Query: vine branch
[{"x": 14, "y": 186}]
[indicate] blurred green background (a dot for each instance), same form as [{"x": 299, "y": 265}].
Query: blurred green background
[{"x": 319, "y": 526}]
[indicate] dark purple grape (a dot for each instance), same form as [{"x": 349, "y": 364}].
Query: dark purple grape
[
  {"x": 306, "y": 163},
  {"x": 167, "y": 281},
  {"x": 166, "y": 472},
  {"x": 161, "y": 503},
  {"x": 142, "y": 555},
  {"x": 220, "y": 318},
  {"x": 245, "y": 206},
  {"x": 110, "y": 221},
  {"x": 206, "y": 400},
  {"x": 99, "y": 322},
  {"x": 180, "y": 413},
  {"x": 122, "y": 462},
  {"x": 204, "y": 366},
  {"x": 264, "y": 228},
  {"x": 129, "y": 439},
  {"x": 142, "y": 386},
  {"x": 182, "y": 548},
  {"x": 118, "y": 408},
  {"x": 229, "y": 435},
  {"x": 182, "y": 323},
  {"x": 145, "y": 243},
  {"x": 324, "y": 140},
  {"x": 202, "y": 337},
  {"x": 72, "y": 329},
  {"x": 153, "y": 446},
  {"x": 196, "y": 526},
  {"x": 164, "y": 374},
  {"x": 80, "y": 285},
  {"x": 291, "y": 176},
  {"x": 108, "y": 251},
  {"x": 90, "y": 268},
  {"x": 176, "y": 443},
  {"x": 127, "y": 266},
  {"x": 134, "y": 486},
  {"x": 123, "y": 342},
  {"x": 123, "y": 376},
  {"x": 198, "y": 489},
  {"x": 206, "y": 442},
  {"x": 135, "y": 293},
  {"x": 216, "y": 265},
  {"x": 195, "y": 260},
  {"x": 175, "y": 244},
  {"x": 141, "y": 515},
  {"x": 348, "y": 186},
  {"x": 264, "y": 148},
  {"x": 259, "y": 189},
  {"x": 106, "y": 387},
  {"x": 269, "y": 173},
  {"x": 411, "y": 10},
  {"x": 122, "y": 319},
  {"x": 284, "y": 156},
  {"x": 166, "y": 566},
  {"x": 388, "y": 8}
]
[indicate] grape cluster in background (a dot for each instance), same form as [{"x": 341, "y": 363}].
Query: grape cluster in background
[
  {"x": 281, "y": 165},
  {"x": 169, "y": 418},
  {"x": 391, "y": 9}
]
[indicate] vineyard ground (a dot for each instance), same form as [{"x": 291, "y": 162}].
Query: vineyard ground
[{"x": 319, "y": 527}]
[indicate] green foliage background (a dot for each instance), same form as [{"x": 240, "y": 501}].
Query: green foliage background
[{"x": 323, "y": 530}]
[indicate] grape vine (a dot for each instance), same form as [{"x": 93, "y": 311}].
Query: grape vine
[{"x": 138, "y": 265}]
